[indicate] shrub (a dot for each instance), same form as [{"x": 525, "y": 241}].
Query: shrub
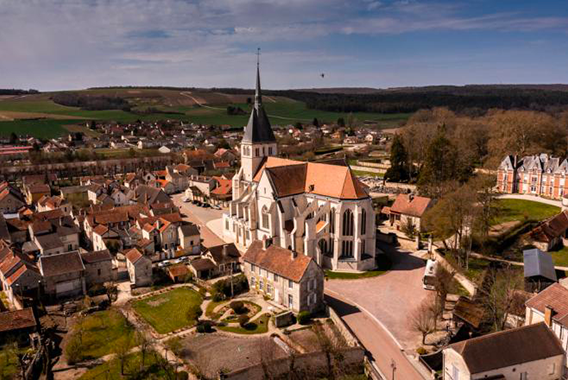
[
  {"x": 205, "y": 327},
  {"x": 304, "y": 317},
  {"x": 217, "y": 297},
  {"x": 238, "y": 307},
  {"x": 421, "y": 351},
  {"x": 243, "y": 320},
  {"x": 74, "y": 351},
  {"x": 194, "y": 313}
]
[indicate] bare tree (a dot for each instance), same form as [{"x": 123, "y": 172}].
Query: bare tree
[
  {"x": 145, "y": 346},
  {"x": 423, "y": 320},
  {"x": 500, "y": 295},
  {"x": 121, "y": 351},
  {"x": 266, "y": 351}
]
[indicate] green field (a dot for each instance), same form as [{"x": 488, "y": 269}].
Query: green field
[
  {"x": 168, "y": 311},
  {"x": 522, "y": 210},
  {"x": 100, "y": 332},
  {"x": 172, "y": 106}
]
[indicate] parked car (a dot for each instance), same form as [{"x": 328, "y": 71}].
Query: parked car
[
  {"x": 206, "y": 205},
  {"x": 186, "y": 200}
]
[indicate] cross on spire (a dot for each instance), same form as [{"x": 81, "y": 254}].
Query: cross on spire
[{"x": 257, "y": 95}]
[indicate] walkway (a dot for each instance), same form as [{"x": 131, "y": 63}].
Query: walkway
[{"x": 533, "y": 198}]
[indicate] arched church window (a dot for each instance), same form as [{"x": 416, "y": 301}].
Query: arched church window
[
  {"x": 265, "y": 218},
  {"x": 348, "y": 223},
  {"x": 363, "y": 228}
]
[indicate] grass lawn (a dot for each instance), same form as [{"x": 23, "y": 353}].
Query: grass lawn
[
  {"x": 168, "y": 312},
  {"x": 153, "y": 364},
  {"x": 101, "y": 331},
  {"x": 384, "y": 265},
  {"x": 258, "y": 326},
  {"x": 560, "y": 257},
  {"x": 519, "y": 209}
]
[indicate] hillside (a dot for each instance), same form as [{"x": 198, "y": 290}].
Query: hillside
[{"x": 39, "y": 115}]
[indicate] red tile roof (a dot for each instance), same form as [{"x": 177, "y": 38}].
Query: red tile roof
[
  {"x": 555, "y": 296},
  {"x": 408, "y": 205},
  {"x": 278, "y": 260},
  {"x": 17, "y": 319}
]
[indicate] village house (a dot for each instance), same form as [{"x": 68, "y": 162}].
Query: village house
[
  {"x": 189, "y": 238},
  {"x": 19, "y": 276},
  {"x": 99, "y": 267},
  {"x": 139, "y": 268},
  {"x": 550, "y": 233},
  {"x": 63, "y": 275},
  {"x": 18, "y": 326},
  {"x": 407, "y": 210},
  {"x": 528, "y": 352},
  {"x": 225, "y": 257},
  {"x": 35, "y": 191},
  {"x": 551, "y": 307},
  {"x": 47, "y": 203},
  {"x": 290, "y": 279}
]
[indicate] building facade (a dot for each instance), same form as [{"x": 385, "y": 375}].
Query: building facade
[
  {"x": 316, "y": 209},
  {"x": 541, "y": 175}
]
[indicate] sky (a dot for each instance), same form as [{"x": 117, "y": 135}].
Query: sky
[{"x": 74, "y": 44}]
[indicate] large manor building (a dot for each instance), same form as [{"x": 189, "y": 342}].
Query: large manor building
[
  {"x": 541, "y": 175},
  {"x": 317, "y": 209}
]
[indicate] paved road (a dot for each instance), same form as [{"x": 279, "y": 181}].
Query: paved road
[
  {"x": 200, "y": 216},
  {"x": 384, "y": 350},
  {"x": 392, "y": 297}
]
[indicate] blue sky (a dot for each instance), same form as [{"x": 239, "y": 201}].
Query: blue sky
[{"x": 72, "y": 44}]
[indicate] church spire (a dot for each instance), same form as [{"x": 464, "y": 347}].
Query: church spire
[
  {"x": 257, "y": 94},
  {"x": 258, "y": 129}
]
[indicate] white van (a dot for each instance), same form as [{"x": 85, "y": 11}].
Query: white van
[{"x": 429, "y": 279}]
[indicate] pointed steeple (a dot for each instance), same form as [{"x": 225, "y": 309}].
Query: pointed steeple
[
  {"x": 258, "y": 129},
  {"x": 257, "y": 93}
]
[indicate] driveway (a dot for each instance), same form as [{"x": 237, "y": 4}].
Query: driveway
[
  {"x": 200, "y": 216},
  {"x": 529, "y": 197},
  {"x": 390, "y": 298}
]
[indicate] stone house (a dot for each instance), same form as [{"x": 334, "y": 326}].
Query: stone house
[
  {"x": 527, "y": 352},
  {"x": 63, "y": 275},
  {"x": 47, "y": 203},
  {"x": 17, "y": 326},
  {"x": 99, "y": 267},
  {"x": 293, "y": 280},
  {"x": 139, "y": 268},
  {"x": 407, "y": 209},
  {"x": 189, "y": 238}
]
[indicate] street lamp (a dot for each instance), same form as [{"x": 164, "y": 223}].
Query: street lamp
[{"x": 393, "y": 367}]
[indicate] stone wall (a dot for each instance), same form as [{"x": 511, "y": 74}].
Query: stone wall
[{"x": 312, "y": 363}]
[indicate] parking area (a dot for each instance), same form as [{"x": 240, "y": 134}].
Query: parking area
[
  {"x": 392, "y": 297},
  {"x": 200, "y": 216}
]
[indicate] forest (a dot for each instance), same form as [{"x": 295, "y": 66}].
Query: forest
[{"x": 15, "y": 91}]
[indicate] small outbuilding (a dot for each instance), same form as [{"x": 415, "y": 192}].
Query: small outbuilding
[{"x": 539, "y": 270}]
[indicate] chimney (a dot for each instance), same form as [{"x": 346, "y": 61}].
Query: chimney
[
  {"x": 225, "y": 250},
  {"x": 294, "y": 254},
  {"x": 548, "y": 313},
  {"x": 266, "y": 242}
]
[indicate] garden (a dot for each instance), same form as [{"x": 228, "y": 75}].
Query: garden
[{"x": 176, "y": 309}]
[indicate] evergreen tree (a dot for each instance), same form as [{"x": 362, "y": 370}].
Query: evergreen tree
[
  {"x": 316, "y": 123},
  {"x": 398, "y": 172}
]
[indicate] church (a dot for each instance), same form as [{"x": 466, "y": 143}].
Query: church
[{"x": 317, "y": 209}]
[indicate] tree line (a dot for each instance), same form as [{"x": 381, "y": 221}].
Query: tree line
[
  {"x": 17, "y": 91},
  {"x": 91, "y": 103}
]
